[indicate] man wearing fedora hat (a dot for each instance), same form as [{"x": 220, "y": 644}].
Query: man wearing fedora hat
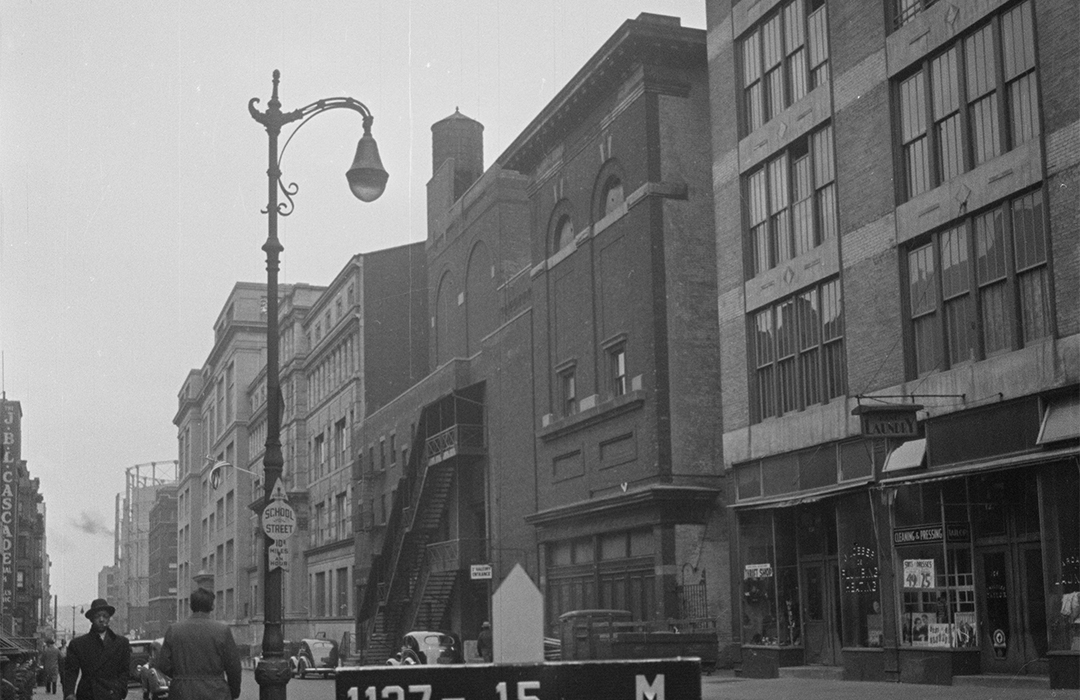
[{"x": 97, "y": 661}]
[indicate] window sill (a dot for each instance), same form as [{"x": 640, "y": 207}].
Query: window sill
[
  {"x": 329, "y": 546},
  {"x": 617, "y": 406}
]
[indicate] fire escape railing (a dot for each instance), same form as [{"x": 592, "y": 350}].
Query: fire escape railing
[{"x": 386, "y": 577}]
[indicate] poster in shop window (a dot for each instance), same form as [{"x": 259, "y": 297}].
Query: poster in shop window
[
  {"x": 939, "y": 634},
  {"x": 964, "y": 629},
  {"x": 918, "y": 573},
  {"x": 917, "y": 628}
]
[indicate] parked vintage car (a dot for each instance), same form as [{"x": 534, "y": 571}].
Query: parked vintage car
[
  {"x": 428, "y": 648},
  {"x": 154, "y": 683},
  {"x": 314, "y": 656}
]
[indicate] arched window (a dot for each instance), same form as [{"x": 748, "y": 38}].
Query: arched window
[
  {"x": 612, "y": 195},
  {"x": 564, "y": 232}
]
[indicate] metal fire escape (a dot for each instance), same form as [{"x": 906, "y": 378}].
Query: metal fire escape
[{"x": 412, "y": 578}]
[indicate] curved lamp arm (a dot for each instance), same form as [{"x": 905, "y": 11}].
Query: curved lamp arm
[
  {"x": 218, "y": 468},
  {"x": 367, "y": 177}
]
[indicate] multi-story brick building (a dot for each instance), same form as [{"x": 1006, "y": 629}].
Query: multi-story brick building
[
  {"x": 571, "y": 422},
  {"x": 295, "y": 303},
  {"x": 346, "y": 349},
  {"x": 24, "y": 591},
  {"x": 896, "y": 216},
  {"x": 161, "y": 561},
  {"x": 213, "y": 532}
]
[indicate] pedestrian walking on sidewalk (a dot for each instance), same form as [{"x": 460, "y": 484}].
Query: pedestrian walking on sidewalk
[
  {"x": 200, "y": 655},
  {"x": 96, "y": 665},
  {"x": 50, "y": 664}
]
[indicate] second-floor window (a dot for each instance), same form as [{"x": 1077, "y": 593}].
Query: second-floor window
[
  {"x": 979, "y": 287},
  {"x": 798, "y": 350},
  {"x": 568, "y": 392},
  {"x": 320, "y": 455},
  {"x": 792, "y": 201},
  {"x": 969, "y": 103},
  {"x": 342, "y": 442},
  {"x": 344, "y": 516},
  {"x": 617, "y": 364},
  {"x": 783, "y": 58}
]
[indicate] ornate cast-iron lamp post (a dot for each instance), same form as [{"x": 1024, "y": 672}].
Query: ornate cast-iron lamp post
[{"x": 367, "y": 180}]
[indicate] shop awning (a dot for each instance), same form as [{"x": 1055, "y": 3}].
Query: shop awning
[
  {"x": 908, "y": 455},
  {"x": 809, "y": 496},
  {"x": 1028, "y": 459},
  {"x": 1061, "y": 421},
  {"x": 10, "y": 646}
]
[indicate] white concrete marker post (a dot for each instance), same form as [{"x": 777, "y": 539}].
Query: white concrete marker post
[{"x": 517, "y": 620}]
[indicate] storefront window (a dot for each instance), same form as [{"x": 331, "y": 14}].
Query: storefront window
[
  {"x": 758, "y": 599},
  {"x": 932, "y": 558},
  {"x": 1061, "y": 500},
  {"x": 860, "y": 597}
]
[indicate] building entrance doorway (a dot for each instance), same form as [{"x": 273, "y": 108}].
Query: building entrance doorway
[
  {"x": 1011, "y": 598},
  {"x": 1009, "y": 591},
  {"x": 820, "y": 585}
]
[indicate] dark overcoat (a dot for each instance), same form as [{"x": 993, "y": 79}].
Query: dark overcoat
[
  {"x": 201, "y": 657},
  {"x": 100, "y": 667}
]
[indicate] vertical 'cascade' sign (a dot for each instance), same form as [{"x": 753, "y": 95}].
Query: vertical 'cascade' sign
[{"x": 10, "y": 415}]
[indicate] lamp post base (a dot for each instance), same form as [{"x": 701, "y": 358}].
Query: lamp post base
[{"x": 272, "y": 675}]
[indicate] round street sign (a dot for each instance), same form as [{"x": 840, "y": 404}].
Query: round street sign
[{"x": 278, "y": 520}]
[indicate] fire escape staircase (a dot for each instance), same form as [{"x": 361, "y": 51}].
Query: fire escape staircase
[{"x": 406, "y": 585}]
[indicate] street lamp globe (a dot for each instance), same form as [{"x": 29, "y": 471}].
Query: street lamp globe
[{"x": 367, "y": 177}]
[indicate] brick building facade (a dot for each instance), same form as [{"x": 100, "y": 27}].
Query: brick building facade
[
  {"x": 570, "y": 424},
  {"x": 897, "y": 284}
]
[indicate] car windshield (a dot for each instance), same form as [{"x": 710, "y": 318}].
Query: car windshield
[
  {"x": 321, "y": 647},
  {"x": 443, "y": 640},
  {"x": 141, "y": 647}
]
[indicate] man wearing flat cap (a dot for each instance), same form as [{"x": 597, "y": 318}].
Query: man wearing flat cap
[{"x": 96, "y": 665}]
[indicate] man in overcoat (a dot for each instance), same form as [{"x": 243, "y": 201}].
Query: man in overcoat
[
  {"x": 50, "y": 665},
  {"x": 96, "y": 664},
  {"x": 200, "y": 655}
]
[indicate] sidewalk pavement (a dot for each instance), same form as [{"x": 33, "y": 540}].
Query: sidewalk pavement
[{"x": 724, "y": 685}]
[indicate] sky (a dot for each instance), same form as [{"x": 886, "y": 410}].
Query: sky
[{"x": 110, "y": 284}]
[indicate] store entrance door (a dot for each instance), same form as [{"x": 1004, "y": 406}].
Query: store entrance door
[
  {"x": 821, "y": 611},
  {"x": 1012, "y": 602}
]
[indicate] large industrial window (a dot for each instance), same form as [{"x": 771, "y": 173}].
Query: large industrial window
[
  {"x": 792, "y": 202},
  {"x": 979, "y": 287},
  {"x": 783, "y": 57},
  {"x": 969, "y": 103},
  {"x": 798, "y": 351}
]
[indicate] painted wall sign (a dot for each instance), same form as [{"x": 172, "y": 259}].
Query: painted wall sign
[
  {"x": 10, "y": 444},
  {"x": 931, "y": 534}
]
